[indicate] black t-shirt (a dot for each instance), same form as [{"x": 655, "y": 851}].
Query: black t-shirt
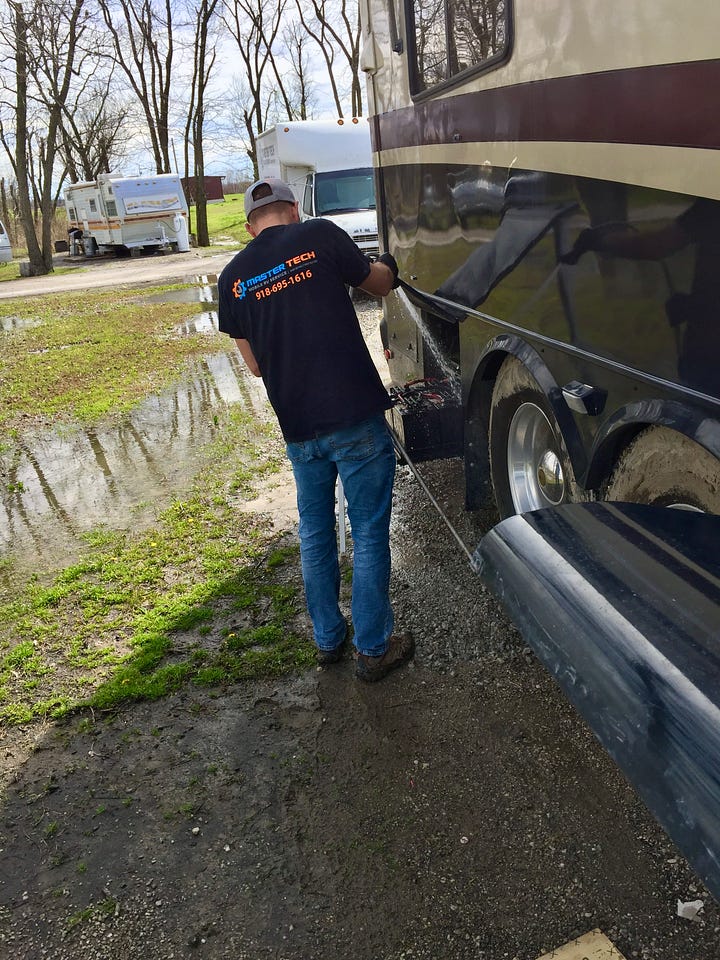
[{"x": 286, "y": 294}]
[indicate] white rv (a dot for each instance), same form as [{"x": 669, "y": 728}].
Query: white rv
[
  {"x": 6, "y": 254},
  {"x": 328, "y": 165},
  {"x": 117, "y": 213}
]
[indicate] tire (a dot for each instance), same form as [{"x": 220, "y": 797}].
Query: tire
[
  {"x": 667, "y": 469},
  {"x": 529, "y": 462}
]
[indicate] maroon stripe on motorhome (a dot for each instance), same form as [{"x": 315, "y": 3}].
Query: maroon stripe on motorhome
[{"x": 673, "y": 105}]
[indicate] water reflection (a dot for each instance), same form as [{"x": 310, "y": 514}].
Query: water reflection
[
  {"x": 56, "y": 485},
  {"x": 206, "y": 291},
  {"x": 8, "y": 324},
  {"x": 206, "y": 322}
]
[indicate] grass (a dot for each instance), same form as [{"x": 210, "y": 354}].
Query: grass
[
  {"x": 90, "y": 356},
  {"x": 122, "y": 624},
  {"x": 226, "y": 221}
]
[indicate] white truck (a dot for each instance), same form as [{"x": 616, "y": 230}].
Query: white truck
[
  {"x": 328, "y": 165},
  {"x": 120, "y": 214}
]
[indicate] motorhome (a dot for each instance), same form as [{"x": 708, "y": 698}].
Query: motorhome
[
  {"x": 119, "y": 214},
  {"x": 328, "y": 165},
  {"x": 547, "y": 181}
]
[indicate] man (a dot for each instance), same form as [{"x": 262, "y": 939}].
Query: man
[{"x": 284, "y": 299}]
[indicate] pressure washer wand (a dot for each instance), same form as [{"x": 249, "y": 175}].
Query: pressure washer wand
[{"x": 413, "y": 469}]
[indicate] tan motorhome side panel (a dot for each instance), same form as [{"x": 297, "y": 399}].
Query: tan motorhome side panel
[
  {"x": 555, "y": 38},
  {"x": 553, "y": 43}
]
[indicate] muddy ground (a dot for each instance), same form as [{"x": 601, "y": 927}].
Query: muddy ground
[{"x": 459, "y": 809}]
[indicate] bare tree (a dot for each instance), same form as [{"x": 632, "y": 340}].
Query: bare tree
[
  {"x": 335, "y": 26},
  {"x": 431, "y": 43},
  {"x": 255, "y": 25},
  {"x": 93, "y": 132},
  {"x": 45, "y": 43},
  {"x": 204, "y": 56},
  {"x": 302, "y": 95},
  {"x": 478, "y": 29},
  {"x": 142, "y": 36}
]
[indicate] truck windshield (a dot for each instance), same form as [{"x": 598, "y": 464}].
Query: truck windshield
[{"x": 342, "y": 191}]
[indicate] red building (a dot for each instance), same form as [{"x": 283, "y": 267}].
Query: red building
[{"x": 213, "y": 189}]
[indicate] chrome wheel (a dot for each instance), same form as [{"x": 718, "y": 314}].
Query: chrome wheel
[
  {"x": 534, "y": 463},
  {"x": 529, "y": 462}
]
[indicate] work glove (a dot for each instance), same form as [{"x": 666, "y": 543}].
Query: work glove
[{"x": 389, "y": 260}]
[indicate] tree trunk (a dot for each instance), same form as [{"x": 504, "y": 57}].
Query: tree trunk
[{"x": 37, "y": 262}]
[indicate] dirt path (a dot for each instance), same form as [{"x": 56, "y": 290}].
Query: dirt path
[{"x": 104, "y": 272}]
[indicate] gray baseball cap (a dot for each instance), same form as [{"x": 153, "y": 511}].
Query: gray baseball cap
[{"x": 279, "y": 190}]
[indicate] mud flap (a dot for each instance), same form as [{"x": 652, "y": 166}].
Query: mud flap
[{"x": 621, "y": 603}]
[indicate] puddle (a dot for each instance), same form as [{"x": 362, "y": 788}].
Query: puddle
[
  {"x": 206, "y": 322},
  {"x": 55, "y": 486},
  {"x": 9, "y": 324},
  {"x": 206, "y": 291}
]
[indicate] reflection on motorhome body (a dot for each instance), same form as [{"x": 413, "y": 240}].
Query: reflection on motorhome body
[{"x": 59, "y": 485}]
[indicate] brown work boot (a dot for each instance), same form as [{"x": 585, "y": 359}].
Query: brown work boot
[
  {"x": 401, "y": 648},
  {"x": 326, "y": 657}
]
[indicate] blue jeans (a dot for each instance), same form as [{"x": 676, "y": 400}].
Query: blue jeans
[{"x": 363, "y": 457}]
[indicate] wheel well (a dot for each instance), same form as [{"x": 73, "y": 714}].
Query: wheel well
[
  {"x": 666, "y": 467},
  {"x": 479, "y": 402},
  {"x": 478, "y": 488},
  {"x": 614, "y": 440},
  {"x": 606, "y": 455}
]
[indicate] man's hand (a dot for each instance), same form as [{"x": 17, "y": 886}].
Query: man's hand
[
  {"x": 613, "y": 239},
  {"x": 389, "y": 260},
  {"x": 383, "y": 276}
]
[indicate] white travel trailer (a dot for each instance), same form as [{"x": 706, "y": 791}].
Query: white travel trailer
[
  {"x": 6, "y": 253},
  {"x": 328, "y": 165},
  {"x": 117, "y": 213}
]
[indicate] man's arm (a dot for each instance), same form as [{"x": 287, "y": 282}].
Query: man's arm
[
  {"x": 248, "y": 356},
  {"x": 383, "y": 276},
  {"x": 379, "y": 282}
]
